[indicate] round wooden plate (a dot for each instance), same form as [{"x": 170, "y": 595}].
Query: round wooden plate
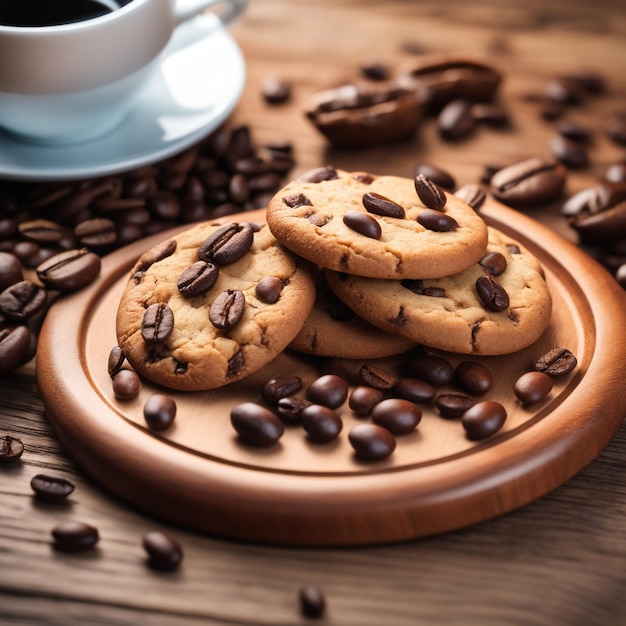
[{"x": 297, "y": 492}]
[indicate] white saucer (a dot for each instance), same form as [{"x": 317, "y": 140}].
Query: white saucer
[{"x": 200, "y": 81}]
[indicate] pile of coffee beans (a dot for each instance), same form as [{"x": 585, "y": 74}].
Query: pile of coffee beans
[
  {"x": 52, "y": 235},
  {"x": 392, "y": 401}
]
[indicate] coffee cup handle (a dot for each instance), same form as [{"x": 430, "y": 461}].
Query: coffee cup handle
[{"x": 228, "y": 12}]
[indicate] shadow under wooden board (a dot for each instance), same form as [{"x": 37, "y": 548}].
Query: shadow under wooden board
[{"x": 198, "y": 474}]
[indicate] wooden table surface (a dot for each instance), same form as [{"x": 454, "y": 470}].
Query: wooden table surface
[{"x": 560, "y": 560}]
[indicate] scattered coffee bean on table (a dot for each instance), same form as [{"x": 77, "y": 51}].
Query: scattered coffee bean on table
[
  {"x": 312, "y": 601},
  {"x": 164, "y": 552},
  {"x": 11, "y": 449},
  {"x": 51, "y": 488},
  {"x": 71, "y": 536}
]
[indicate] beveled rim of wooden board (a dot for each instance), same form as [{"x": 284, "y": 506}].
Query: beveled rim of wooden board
[{"x": 249, "y": 496}]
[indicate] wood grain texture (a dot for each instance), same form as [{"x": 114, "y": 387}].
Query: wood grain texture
[{"x": 559, "y": 560}]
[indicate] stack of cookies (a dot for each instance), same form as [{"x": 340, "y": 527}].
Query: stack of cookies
[
  {"x": 349, "y": 265},
  {"x": 414, "y": 261}
]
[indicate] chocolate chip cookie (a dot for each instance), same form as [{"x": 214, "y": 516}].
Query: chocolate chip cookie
[
  {"x": 334, "y": 330},
  {"x": 377, "y": 226},
  {"x": 498, "y": 306},
  {"x": 212, "y": 305}
]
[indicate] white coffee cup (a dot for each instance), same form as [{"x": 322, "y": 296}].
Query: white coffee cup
[{"x": 72, "y": 82}]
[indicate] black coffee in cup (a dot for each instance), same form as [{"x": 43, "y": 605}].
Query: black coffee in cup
[{"x": 54, "y": 12}]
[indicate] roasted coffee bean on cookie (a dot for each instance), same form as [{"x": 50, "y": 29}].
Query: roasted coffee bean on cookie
[
  {"x": 327, "y": 216},
  {"x": 193, "y": 317}
]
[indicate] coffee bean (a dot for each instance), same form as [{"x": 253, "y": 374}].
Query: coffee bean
[
  {"x": 319, "y": 175},
  {"x": 14, "y": 348},
  {"x": 603, "y": 227},
  {"x": 473, "y": 377},
  {"x": 27, "y": 252},
  {"x": 371, "y": 441},
  {"x": 490, "y": 113},
  {"x": 227, "y": 244},
  {"x": 492, "y": 294},
  {"x": 483, "y": 419},
  {"x": 239, "y": 189},
  {"x": 565, "y": 90},
  {"x": 11, "y": 449},
  {"x": 415, "y": 390},
  {"x": 589, "y": 81},
  {"x": 159, "y": 411},
  {"x": 365, "y": 114},
  {"x": 363, "y": 223},
  {"x": 157, "y": 323},
  {"x": 164, "y": 205},
  {"x": 126, "y": 384},
  {"x": 494, "y": 263},
  {"x": 616, "y": 128},
  {"x": 51, "y": 488},
  {"x": 321, "y": 423},
  {"x": 451, "y": 405},
  {"x": 152, "y": 256},
  {"x": 116, "y": 360},
  {"x": 70, "y": 270},
  {"x": 436, "y": 221},
  {"x": 533, "y": 387},
  {"x": 380, "y": 205},
  {"x": 280, "y": 387},
  {"x": 255, "y": 424},
  {"x": 363, "y": 399},
  {"x": 472, "y": 194},
  {"x": 197, "y": 279},
  {"x": 456, "y": 120},
  {"x": 165, "y": 554},
  {"x": 431, "y": 368},
  {"x": 574, "y": 132},
  {"x": 530, "y": 182},
  {"x": 568, "y": 152},
  {"x": 96, "y": 233},
  {"x": 227, "y": 309},
  {"x": 268, "y": 289},
  {"x": 275, "y": 90},
  {"x": 376, "y": 377},
  {"x": 22, "y": 300},
  {"x": 312, "y": 601},
  {"x": 375, "y": 70},
  {"x": 429, "y": 193},
  {"x": 72, "y": 536},
  {"x": 329, "y": 390},
  {"x": 41, "y": 231},
  {"x": 452, "y": 79},
  {"x": 556, "y": 362},
  {"x": 399, "y": 417},
  {"x": 289, "y": 409},
  {"x": 11, "y": 270},
  {"x": 436, "y": 175}
]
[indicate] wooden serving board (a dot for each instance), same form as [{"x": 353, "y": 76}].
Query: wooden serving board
[{"x": 297, "y": 492}]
